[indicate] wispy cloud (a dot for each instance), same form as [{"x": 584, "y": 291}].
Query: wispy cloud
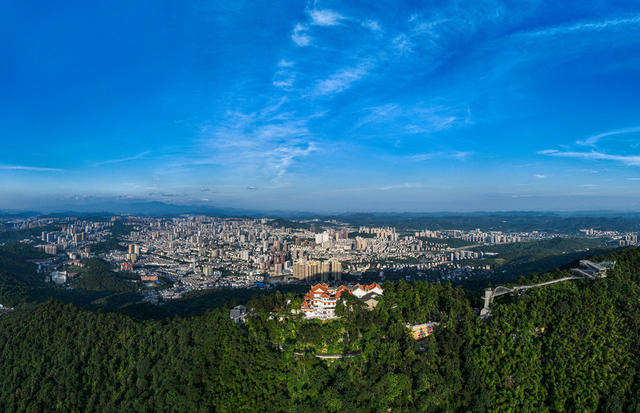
[
  {"x": 284, "y": 83},
  {"x": 285, "y": 76},
  {"x": 593, "y": 140},
  {"x": 258, "y": 143},
  {"x": 632, "y": 160},
  {"x": 342, "y": 79},
  {"x": 414, "y": 119},
  {"x": 285, "y": 63},
  {"x": 586, "y": 26},
  {"x": 585, "y": 171},
  {"x": 540, "y": 176},
  {"x": 120, "y": 160},
  {"x": 404, "y": 185},
  {"x": 282, "y": 157},
  {"x": 28, "y": 168},
  {"x": 324, "y": 17},
  {"x": 300, "y": 35},
  {"x": 458, "y": 155},
  {"x": 402, "y": 44},
  {"x": 372, "y": 25}
]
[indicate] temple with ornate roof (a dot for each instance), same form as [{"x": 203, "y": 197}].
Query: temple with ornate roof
[{"x": 320, "y": 302}]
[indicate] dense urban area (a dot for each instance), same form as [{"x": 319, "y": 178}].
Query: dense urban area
[{"x": 168, "y": 257}]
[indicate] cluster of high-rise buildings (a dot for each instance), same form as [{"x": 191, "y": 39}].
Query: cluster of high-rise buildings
[
  {"x": 73, "y": 235},
  {"x": 387, "y": 233},
  {"x": 200, "y": 252},
  {"x": 309, "y": 270}
]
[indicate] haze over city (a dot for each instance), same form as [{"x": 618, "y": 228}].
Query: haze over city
[{"x": 322, "y": 106}]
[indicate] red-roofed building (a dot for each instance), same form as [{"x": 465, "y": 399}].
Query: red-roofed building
[
  {"x": 420, "y": 331},
  {"x": 320, "y": 302},
  {"x": 362, "y": 290}
]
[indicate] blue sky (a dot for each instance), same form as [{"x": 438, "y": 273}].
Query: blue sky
[{"x": 322, "y": 106}]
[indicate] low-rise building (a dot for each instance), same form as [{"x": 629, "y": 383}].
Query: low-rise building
[
  {"x": 361, "y": 290},
  {"x": 320, "y": 302},
  {"x": 59, "y": 277},
  {"x": 238, "y": 314},
  {"x": 420, "y": 331}
]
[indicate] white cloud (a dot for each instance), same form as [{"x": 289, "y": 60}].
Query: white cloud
[
  {"x": 285, "y": 84},
  {"x": 324, "y": 17},
  {"x": 285, "y": 63},
  {"x": 284, "y": 76},
  {"x": 300, "y": 36},
  {"x": 372, "y": 25},
  {"x": 632, "y": 160},
  {"x": 120, "y": 160},
  {"x": 402, "y": 44},
  {"x": 586, "y": 26},
  {"x": 281, "y": 157},
  {"x": 400, "y": 186},
  {"x": 458, "y": 155},
  {"x": 593, "y": 140},
  {"x": 415, "y": 119},
  {"x": 434, "y": 123},
  {"x": 28, "y": 168},
  {"x": 341, "y": 80},
  {"x": 284, "y": 79},
  {"x": 256, "y": 144},
  {"x": 586, "y": 171},
  {"x": 540, "y": 176}
]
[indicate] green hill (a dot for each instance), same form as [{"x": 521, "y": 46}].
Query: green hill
[{"x": 572, "y": 346}]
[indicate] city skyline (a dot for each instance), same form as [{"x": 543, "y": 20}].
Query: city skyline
[{"x": 322, "y": 106}]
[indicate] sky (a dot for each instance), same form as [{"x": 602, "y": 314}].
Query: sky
[{"x": 327, "y": 106}]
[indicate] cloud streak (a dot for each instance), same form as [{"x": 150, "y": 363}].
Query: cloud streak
[
  {"x": 325, "y": 17},
  {"x": 120, "y": 160},
  {"x": 593, "y": 140},
  {"x": 29, "y": 168},
  {"x": 342, "y": 79},
  {"x": 586, "y": 26},
  {"x": 631, "y": 160},
  {"x": 415, "y": 119},
  {"x": 457, "y": 155}
]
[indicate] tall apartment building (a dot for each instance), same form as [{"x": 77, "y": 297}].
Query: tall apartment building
[
  {"x": 308, "y": 270},
  {"x": 134, "y": 249}
]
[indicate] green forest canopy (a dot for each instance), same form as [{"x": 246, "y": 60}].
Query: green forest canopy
[{"x": 573, "y": 346}]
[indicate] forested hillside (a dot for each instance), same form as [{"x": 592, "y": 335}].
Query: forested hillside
[{"x": 573, "y": 346}]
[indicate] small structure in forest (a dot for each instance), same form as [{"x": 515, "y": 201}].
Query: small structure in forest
[
  {"x": 238, "y": 314},
  {"x": 421, "y": 331}
]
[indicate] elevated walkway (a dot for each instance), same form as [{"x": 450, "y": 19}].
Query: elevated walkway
[{"x": 587, "y": 269}]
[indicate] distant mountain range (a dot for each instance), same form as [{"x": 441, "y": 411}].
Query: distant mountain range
[{"x": 128, "y": 206}]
